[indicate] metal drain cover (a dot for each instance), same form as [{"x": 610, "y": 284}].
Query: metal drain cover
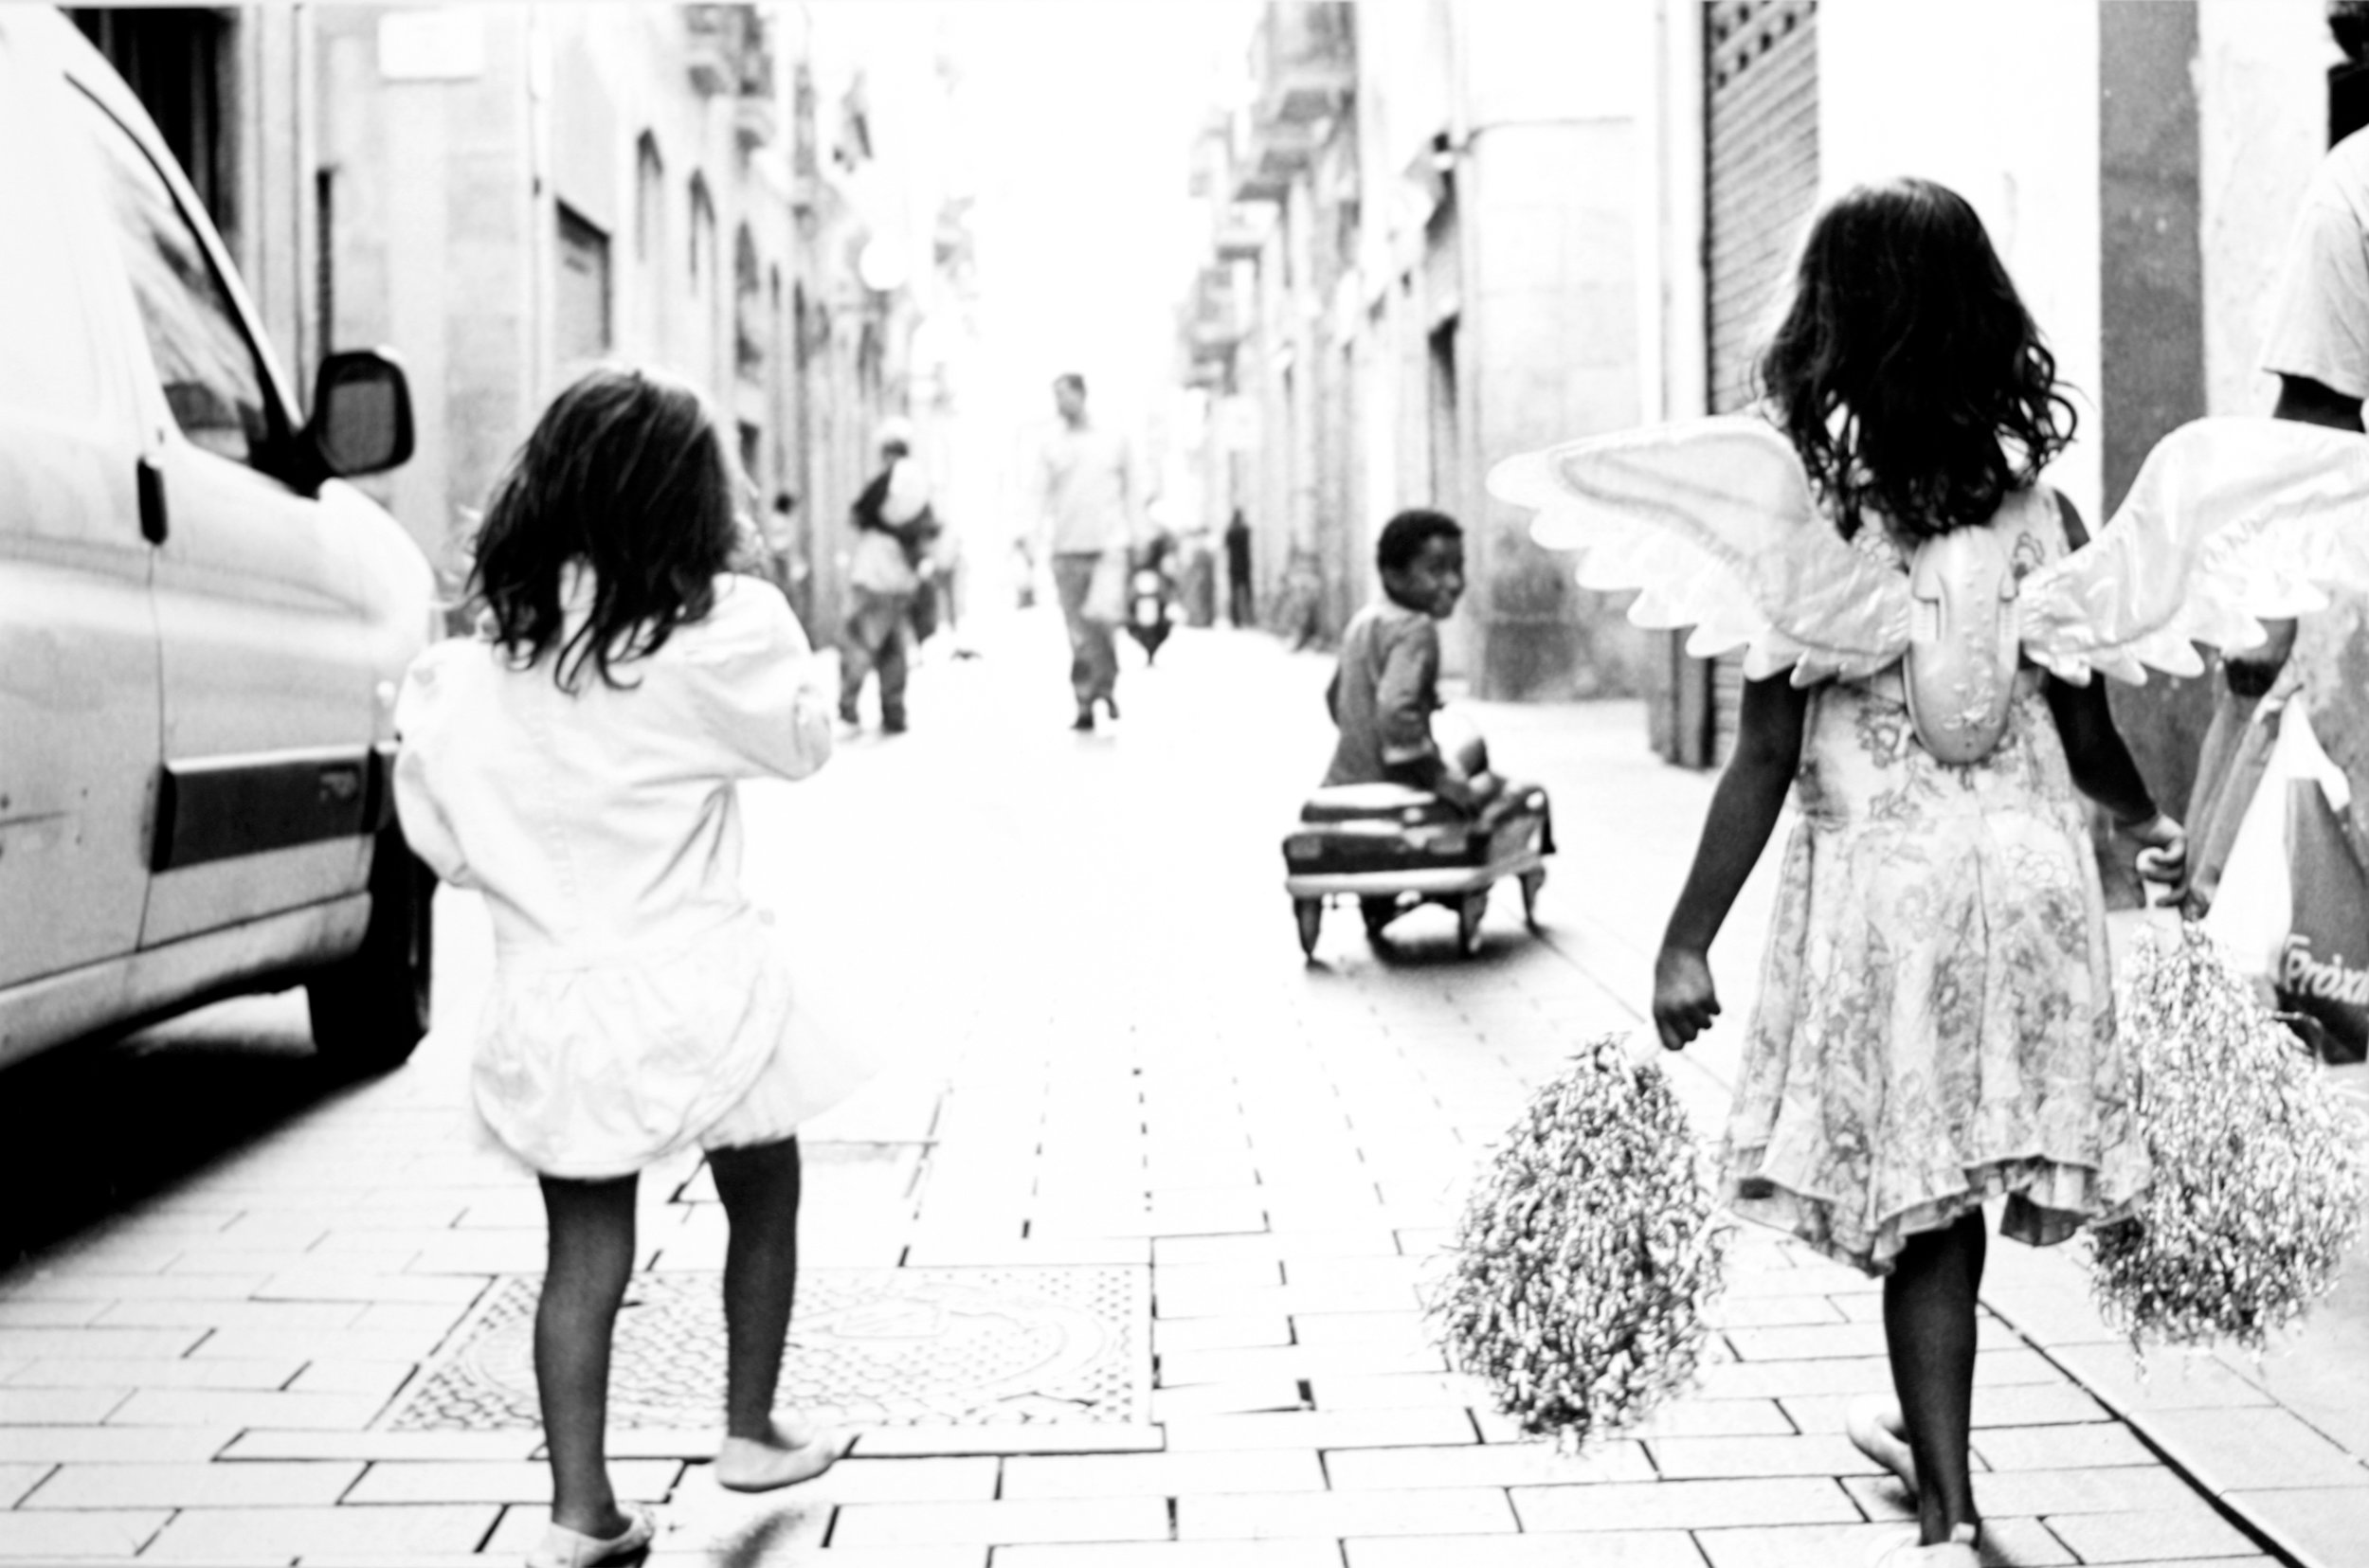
[{"x": 868, "y": 1346}]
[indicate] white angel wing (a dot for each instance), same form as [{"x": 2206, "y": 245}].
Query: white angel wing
[
  {"x": 2230, "y": 519},
  {"x": 1712, "y": 519}
]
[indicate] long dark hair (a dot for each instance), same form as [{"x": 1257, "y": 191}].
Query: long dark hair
[
  {"x": 1907, "y": 368},
  {"x": 625, "y": 474}
]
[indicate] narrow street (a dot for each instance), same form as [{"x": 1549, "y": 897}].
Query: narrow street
[{"x": 1118, "y": 1264}]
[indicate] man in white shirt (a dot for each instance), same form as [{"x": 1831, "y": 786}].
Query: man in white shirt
[
  {"x": 1088, "y": 498},
  {"x": 2317, "y": 347}
]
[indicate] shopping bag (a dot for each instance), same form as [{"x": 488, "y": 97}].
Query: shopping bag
[
  {"x": 1106, "y": 591},
  {"x": 2321, "y": 980},
  {"x": 2254, "y": 902}
]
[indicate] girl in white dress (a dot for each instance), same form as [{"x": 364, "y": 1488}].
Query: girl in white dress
[{"x": 576, "y": 762}]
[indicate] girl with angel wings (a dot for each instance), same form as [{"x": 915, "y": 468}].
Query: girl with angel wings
[{"x": 1922, "y": 618}]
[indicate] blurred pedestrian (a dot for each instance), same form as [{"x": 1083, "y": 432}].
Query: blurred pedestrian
[
  {"x": 1088, "y": 498},
  {"x": 577, "y": 762},
  {"x": 894, "y": 524},
  {"x": 1238, "y": 599}
]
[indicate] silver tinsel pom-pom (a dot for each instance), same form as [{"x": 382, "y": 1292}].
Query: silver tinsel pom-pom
[
  {"x": 2258, "y": 1165},
  {"x": 1586, "y": 1254}
]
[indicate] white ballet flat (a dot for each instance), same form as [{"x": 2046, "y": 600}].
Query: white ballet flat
[
  {"x": 747, "y": 1465},
  {"x": 562, "y": 1547}
]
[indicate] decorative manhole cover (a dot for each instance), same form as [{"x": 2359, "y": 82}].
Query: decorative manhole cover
[{"x": 871, "y": 1346}]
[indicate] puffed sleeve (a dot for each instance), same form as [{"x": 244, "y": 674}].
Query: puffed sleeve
[
  {"x": 423, "y": 729},
  {"x": 753, "y": 676}
]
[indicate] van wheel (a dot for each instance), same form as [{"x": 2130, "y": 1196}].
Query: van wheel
[{"x": 370, "y": 1010}]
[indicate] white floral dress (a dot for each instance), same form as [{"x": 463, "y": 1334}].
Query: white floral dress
[{"x": 1935, "y": 1023}]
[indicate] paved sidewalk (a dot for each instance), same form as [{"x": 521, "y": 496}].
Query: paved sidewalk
[{"x": 1120, "y": 1258}]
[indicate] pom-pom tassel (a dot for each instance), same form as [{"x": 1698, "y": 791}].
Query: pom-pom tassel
[
  {"x": 2259, "y": 1165},
  {"x": 1586, "y": 1254}
]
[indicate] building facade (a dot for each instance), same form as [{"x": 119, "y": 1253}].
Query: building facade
[{"x": 505, "y": 195}]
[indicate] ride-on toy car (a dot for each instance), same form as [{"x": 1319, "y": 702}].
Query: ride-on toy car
[{"x": 1392, "y": 848}]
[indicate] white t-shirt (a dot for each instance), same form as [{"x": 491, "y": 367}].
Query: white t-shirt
[{"x": 2319, "y": 316}]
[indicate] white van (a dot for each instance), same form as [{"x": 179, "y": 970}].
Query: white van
[{"x": 201, "y": 627}]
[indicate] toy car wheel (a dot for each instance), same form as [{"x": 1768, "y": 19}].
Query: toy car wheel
[
  {"x": 1310, "y": 912},
  {"x": 1469, "y": 910},
  {"x": 1531, "y": 882},
  {"x": 1378, "y": 913}
]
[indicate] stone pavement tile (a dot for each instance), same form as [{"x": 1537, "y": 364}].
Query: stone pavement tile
[
  {"x": 1442, "y": 1510},
  {"x": 2013, "y": 1405},
  {"x": 1607, "y": 1549},
  {"x": 322, "y": 1284},
  {"x": 1231, "y": 1333},
  {"x": 1167, "y": 1554},
  {"x": 1773, "y": 1312},
  {"x": 1683, "y": 1504},
  {"x": 379, "y": 1380},
  {"x": 497, "y": 1481},
  {"x": 1858, "y": 1375},
  {"x": 1233, "y": 1398},
  {"x": 2172, "y": 1380},
  {"x": 1405, "y": 1330},
  {"x": 1284, "y": 1246},
  {"x": 43, "y": 1407},
  {"x": 2007, "y": 1543},
  {"x": 1095, "y": 1519},
  {"x": 228, "y": 1314},
  {"x": 969, "y": 1479},
  {"x": 1294, "y": 1362},
  {"x": 763, "y": 1524},
  {"x": 217, "y": 1486},
  {"x": 1532, "y": 1463},
  {"x": 688, "y": 1444},
  {"x": 2241, "y": 1450},
  {"x": 406, "y": 1345},
  {"x": 1688, "y": 1417},
  {"x": 203, "y": 1264},
  {"x": 480, "y": 1252},
  {"x": 789, "y": 1555},
  {"x": 154, "y": 1372},
  {"x": 269, "y": 1535},
  {"x": 929, "y": 1250},
  {"x": 48, "y": 1538},
  {"x": 114, "y": 1445},
  {"x": 33, "y": 1344},
  {"x": 16, "y": 1480},
  {"x": 414, "y": 1316},
  {"x": 2011, "y": 1494},
  {"x": 2090, "y": 1446},
  {"x": 190, "y": 1407},
  {"x": 2323, "y": 1526},
  {"x": 54, "y": 1286},
  {"x": 1323, "y": 1428},
  {"x": 2190, "y": 1528},
  {"x": 1352, "y": 1272},
  {"x": 1711, "y": 1458},
  {"x": 890, "y": 1442},
  {"x": 1170, "y": 1474},
  {"x": 414, "y": 1447},
  {"x": 49, "y": 1314},
  {"x": 1381, "y": 1391},
  {"x": 1218, "y": 1277}
]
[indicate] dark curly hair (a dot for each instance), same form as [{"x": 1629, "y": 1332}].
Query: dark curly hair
[
  {"x": 1906, "y": 371},
  {"x": 626, "y": 474}
]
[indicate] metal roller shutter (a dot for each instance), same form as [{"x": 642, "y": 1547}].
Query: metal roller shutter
[{"x": 1760, "y": 97}]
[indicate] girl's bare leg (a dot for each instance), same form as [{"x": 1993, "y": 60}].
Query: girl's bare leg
[
  {"x": 591, "y": 1255},
  {"x": 1929, "y": 1302},
  {"x": 760, "y": 1187}
]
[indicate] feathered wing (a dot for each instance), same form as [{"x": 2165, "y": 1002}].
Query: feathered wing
[
  {"x": 2230, "y": 520},
  {"x": 1712, "y": 521}
]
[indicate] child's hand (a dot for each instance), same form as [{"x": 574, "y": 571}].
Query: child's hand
[
  {"x": 1684, "y": 999},
  {"x": 2164, "y": 859}
]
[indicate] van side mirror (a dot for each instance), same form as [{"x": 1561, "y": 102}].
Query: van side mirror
[{"x": 361, "y": 414}]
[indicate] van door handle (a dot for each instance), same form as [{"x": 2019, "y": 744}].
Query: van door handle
[{"x": 152, "y": 527}]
